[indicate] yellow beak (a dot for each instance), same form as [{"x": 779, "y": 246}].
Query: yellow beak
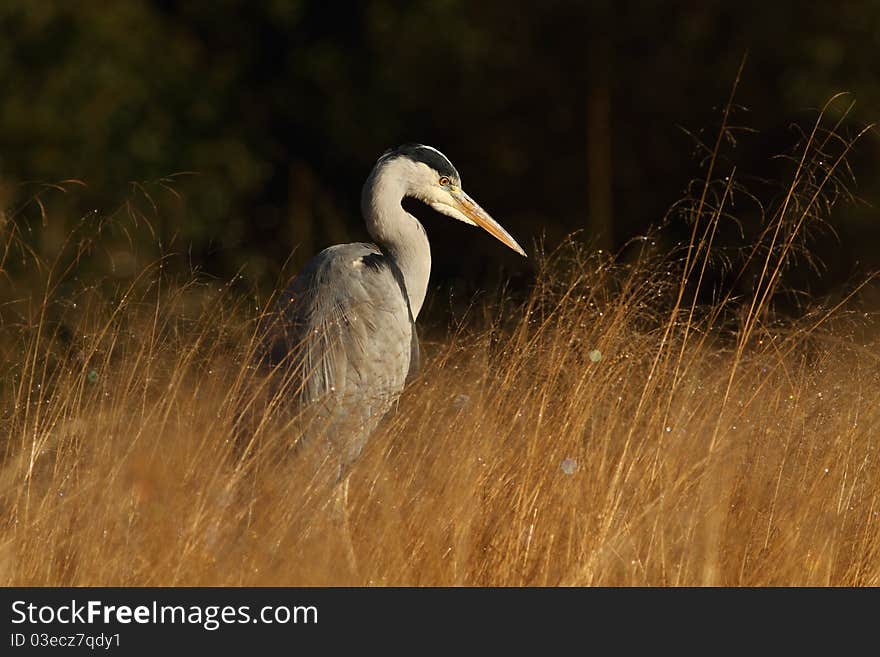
[{"x": 471, "y": 209}]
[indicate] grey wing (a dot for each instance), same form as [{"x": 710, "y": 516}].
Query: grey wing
[
  {"x": 347, "y": 332},
  {"x": 415, "y": 355}
]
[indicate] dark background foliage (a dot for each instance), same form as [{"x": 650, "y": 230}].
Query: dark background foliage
[{"x": 560, "y": 115}]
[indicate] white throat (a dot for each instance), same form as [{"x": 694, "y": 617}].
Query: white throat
[{"x": 398, "y": 233}]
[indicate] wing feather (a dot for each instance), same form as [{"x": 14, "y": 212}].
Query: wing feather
[{"x": 347, "y": 336}]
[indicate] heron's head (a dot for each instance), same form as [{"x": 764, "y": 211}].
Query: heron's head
[{"x": 430, "y": 177}]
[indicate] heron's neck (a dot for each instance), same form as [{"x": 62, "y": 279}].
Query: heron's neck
[{"x": 399, "y": 234}]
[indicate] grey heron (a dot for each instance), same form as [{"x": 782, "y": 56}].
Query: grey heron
[{"x": 346, "y": 334}]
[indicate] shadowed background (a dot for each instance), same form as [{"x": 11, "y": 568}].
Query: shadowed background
[{"x": 560, "y": 116}]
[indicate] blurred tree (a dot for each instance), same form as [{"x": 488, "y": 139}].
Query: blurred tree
[{"x": 560, "y": 115}]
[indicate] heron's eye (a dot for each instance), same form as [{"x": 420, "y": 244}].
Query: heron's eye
[{"x": 444, "y": 181}]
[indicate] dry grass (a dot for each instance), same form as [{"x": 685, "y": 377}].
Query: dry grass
[{"x": 612, "y": 431}]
